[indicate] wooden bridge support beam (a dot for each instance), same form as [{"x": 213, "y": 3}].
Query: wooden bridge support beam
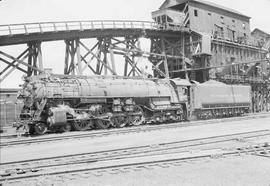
[
  {"x": 11, "y": 66},
  {"x": 171, "y": 57},
  {"x": 100, "y": 56},
  {"x": 94, "y": 58},
  {"x": 32, "y": 54},
  {"x": 34, "y": 58},
  {"x": 72, "y": 50}
]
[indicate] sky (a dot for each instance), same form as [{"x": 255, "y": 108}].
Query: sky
[{"x": 24, "y": 11}]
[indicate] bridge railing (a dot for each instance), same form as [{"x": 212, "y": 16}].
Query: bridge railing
[{"x": 28, "y": 28}]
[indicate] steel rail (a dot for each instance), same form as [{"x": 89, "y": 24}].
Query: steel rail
[
  {"x": 194, "y": 142},
  {"x": 133, "y": 129},
  {"x": 264, "y": 149}
]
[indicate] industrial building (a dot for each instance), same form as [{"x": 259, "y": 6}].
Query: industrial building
[
  {"x": 262, "y": 37},
  {"x": 205, "y": 17},
  {"x": 220, "y": 45}
]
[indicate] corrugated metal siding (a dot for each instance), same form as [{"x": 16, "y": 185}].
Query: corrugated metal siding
[
  {"x": 9, "y": 112},
  {"x": 10, "y": 107}
]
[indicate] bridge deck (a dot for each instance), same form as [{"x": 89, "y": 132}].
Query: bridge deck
[{"x": 52, "y": 31}]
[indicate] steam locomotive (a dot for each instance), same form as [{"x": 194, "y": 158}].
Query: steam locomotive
[{"x": 66, "y": 102}]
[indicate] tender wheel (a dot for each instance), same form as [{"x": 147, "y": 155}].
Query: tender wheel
[
  {"x": 120, "y": 121},
  {"x": 158, "y": 118},
  {"x": 40, "y": 128},
  {"x": 139, "y": 118},
  {"x": 172, "y": 117},
  {"x": 82, "y": 125}
]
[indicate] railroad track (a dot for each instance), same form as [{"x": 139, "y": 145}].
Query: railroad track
[
  {"x": 22, "y": 170},
  {"x": 119, "y": 131}
]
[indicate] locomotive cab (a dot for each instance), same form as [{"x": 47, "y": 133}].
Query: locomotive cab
[{"x": 182, "y": 88}]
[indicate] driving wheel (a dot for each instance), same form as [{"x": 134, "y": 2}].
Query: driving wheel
[
  {"x": 103, "y": 123},
  {"x": 139, "y": 118},
  {"x": 120, "y": 121}
]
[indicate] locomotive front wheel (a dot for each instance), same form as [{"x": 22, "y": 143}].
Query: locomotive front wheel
[{"x": 40, "y": 128}]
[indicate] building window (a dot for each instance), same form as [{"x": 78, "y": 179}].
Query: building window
[
  {"x": 219, "y": 32},
  {"x": 196, "y": 13},
  {"x": 209, "y": 14},
  {"x": 158, "y": 19},
  {"x": 233, "y": 23},
  {"x": 244, "y": 26},
  {"x": 222, "y": 19}
]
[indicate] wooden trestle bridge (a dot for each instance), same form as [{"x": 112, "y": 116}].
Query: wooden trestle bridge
[{"x": 111, "y": 38}]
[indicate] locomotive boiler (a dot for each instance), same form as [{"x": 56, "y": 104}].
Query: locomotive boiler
[{"x": 63, "y": 102}]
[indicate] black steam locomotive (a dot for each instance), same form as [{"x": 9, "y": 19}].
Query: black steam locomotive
[{"x": 64, "y": 102}]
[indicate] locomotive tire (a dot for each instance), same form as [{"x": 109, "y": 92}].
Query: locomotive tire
[{"x": 40, "y": 128}]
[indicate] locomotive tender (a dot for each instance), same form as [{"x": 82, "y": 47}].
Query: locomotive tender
[
  {"x": 63, "y": 102},
  {"x": 214, "y": 99}
]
